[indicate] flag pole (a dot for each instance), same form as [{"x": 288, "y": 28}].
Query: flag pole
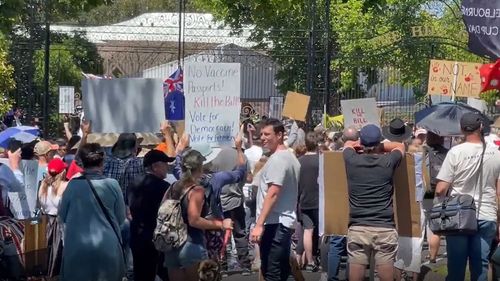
[{"x": 455, "y": 82}]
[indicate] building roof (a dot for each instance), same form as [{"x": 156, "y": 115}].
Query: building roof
[
  {"x": 163, "y": 27},
  {"x": 258, "y": 71}
]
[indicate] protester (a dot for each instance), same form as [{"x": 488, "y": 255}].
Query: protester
[
  {"x": 11, "y": 180},
  {"x": 472, "y": 168},
  {"x": 232, "y": 202},
  {"x": 45, "y": 152},
  {"x": 61, "y": 148},
  {"x": 144, "y": 200},
  {"x": 276, "y": 203},
  {"x": 213, "y": 180},
  {"x": 296, "y": 135},
  {"x": 50, "y": 193},
  {"x": 92, "y": 220},
  {"x": 371, "y": 219},
  {"x": 183, "y": 264},
  {"x": 309, "y": 199},
  {"x": 434, "y": 155}
]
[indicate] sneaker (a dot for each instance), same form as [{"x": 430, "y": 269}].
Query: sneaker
[{"x": 312, "y": 268}]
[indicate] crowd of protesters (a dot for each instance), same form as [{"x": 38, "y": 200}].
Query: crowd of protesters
[{"x": 103, "y": 204}]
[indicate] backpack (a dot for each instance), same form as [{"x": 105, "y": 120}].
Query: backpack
[
  {"x": 434, "y": 158},
  {"x": 171, "y": 229}
]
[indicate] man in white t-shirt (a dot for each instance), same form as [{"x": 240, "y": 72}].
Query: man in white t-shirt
[
  {"x": 276, "y": 203},
  {"x": 460, "y": 172}
]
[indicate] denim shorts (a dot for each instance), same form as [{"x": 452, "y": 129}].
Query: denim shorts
[{"x": 189, "y": 255}]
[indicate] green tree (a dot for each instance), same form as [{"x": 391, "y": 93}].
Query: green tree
[{"x": 7, "y": 82}]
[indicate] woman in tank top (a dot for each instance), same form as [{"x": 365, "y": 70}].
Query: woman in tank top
[
  {"x": 183, "y": 263},
  {"x": 50, "y": 194}
]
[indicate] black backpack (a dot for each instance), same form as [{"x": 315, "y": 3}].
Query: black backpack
[{"x": 434, "y": 158}]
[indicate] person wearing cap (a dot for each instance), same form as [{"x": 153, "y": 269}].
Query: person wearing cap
[
  {"x": 461, "y": 173},
  {"x": 144, "y": 199},
  {"x": 45, "y": 151},
  {"x": 371, "y": 219},
  {"x": 11, "y": 180},
  {"x": 213, "y": 180},
  {"x": 276, "y": 203},
  {"x": 49, "y": 194}
]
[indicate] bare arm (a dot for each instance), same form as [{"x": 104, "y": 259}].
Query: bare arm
[
  {"x": 196, "y": 198},
  {"x": 166, "y": 130},
  {"x": 391, "y": 146},
  {"x": 272, "y": 195},
  {"x": 67, "y": 131},
  {"x": 442, "y": 188}
]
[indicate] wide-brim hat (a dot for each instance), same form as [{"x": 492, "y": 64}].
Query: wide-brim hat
[
  {"x": 126, "y": 145},
  {"x": 397, "y": 131},
  {"x": 210, "y": 153}
]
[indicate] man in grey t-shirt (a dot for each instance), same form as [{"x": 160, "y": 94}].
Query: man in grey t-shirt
[{"x": 276, "y": 203}]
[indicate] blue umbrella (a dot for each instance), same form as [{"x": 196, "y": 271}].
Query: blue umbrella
[
  {"x": 11, "y": 132},
  {"x": 444, "y": 119}
]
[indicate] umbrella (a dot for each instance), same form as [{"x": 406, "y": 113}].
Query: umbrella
[
  {"x": 444, "y": 119},
  {"x": 24, "y": 137},
  {"x": 11, "y": 132}
]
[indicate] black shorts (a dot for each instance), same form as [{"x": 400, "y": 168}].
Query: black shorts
[{"x": 310, "y": 218}]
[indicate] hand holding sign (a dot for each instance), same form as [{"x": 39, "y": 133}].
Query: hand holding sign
[{"x": 183, "y": 143}]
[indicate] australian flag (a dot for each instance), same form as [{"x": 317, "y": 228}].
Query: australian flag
[{"x": 173, "y": 94}]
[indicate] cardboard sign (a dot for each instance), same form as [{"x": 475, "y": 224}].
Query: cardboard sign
[
  {"x": 360, "y": 112},
  {"x": 442, "y": 74},
  {"x": 296, "y": 106},
  {"x": 334, "y": 197},
  {"x": 131, "y": 105},
  {"x": 23, "y": 202},
  {"x": 66, "y": 99},
  {"x": 212, "y": 92}
]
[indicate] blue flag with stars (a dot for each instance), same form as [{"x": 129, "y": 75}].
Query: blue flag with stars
[{"x": 173, "y": 94}]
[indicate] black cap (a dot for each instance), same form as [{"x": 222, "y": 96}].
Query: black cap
[
  {"x": 470, "y": 122},
  {"x": 154, "y": 156}
]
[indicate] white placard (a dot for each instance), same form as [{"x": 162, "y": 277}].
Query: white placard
[
  {"x": 478, "y": 104},
  {"x": 129, "y": 105},
  {"x": 275, "y": 107},
  {"x": 212, "y": 92},
  {"x": 23, "y": 203},
  {"x": 66, "y": 99},
  {"x": 360, "y": 112}
]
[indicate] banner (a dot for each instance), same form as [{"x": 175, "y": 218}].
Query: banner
[
  {"x": 442, "y": 78},
  {"x": 212, "y": 93},
  {"x": 482, "y": 21},
  {"x": 130, "y": 105},
  {"x": 360, "y": 112},
  {"x": 23, "y": 202},
  {"x": 66, "y": 99},
  {"x": 296, "y": 106},
  {"x": 334, "y": 197}
]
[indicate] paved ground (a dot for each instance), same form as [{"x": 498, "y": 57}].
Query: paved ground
[{"x": 429, "y": 272}]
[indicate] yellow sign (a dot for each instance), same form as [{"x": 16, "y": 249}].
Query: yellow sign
[
  {"x": 442, "y": 75},
  {"x": 296, "y": 106}
]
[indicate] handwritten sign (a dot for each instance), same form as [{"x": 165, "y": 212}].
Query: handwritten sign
[
  {"x": 360, "y": 112},
  {"x": 296, "y": 106},
  {"x": 66, "y": 99},
  {"x": 442, "y": 74},
  {"x": 212, "y": 92},
  {"x": 23, "y": 202}
]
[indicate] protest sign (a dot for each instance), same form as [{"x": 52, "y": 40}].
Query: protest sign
[
  {"x": 334, "y": 197},
  {"x": 275, "y": 107},
  {"x": 445, "y": 76},
  {"x": 359, "y": 112},
  {"x": 482, "y": 21},
  {"x": 296, "y": 106},
  {"x": 131, "y": 105},
  {"x": 66, "y": 99},
  {"x": 212, "y": 92},
  {"x": 23, "y": 202}
]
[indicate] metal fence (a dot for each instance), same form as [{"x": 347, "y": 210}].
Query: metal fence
[{"x": 148, "y": 46}]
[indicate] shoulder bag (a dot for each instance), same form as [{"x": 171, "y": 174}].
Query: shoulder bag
[
  {"x": 457, "y": 215},
  {"x": 107, "y": 215}
]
